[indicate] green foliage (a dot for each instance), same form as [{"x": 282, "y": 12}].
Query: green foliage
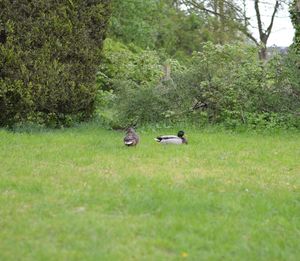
[
  {"x": 284, "y": 83},
  {"x": 122, "y": 63},
  {"x": 162, "y": 25},
  {"x": 264, "y": 121},
  {"x": 236, "y": 88},
  {"x": 291, "y": 75},
  {"x": 129, "y": 74},
  {"x": 104, "y": 113},
  {"x": 295, "y": 17},
  {"x": 223, "y": 84},
  {"x": 49, "y": 53},
  {"x": 227, "y": 78},
  {"x": 132, "y": 22}
]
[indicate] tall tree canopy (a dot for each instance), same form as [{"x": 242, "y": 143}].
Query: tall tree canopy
[
  {"x": 233, "y": 15},
  {"x": 164, "y": 24}
]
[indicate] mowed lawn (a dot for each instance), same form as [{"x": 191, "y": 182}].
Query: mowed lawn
[{"x": 79, "y": 194}]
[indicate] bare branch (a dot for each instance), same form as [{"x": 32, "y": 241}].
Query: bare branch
[
  {"x": 238, "y": 15},
  {"x": 250, "y": 36},
  {"x": 200, "y": 6},
  {"x": 272, "y": 19}
]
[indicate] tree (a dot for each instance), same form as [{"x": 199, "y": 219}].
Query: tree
[
  {"x": 264, "y": 34},
  {"x": 295, "y": 16},
  {"x": 222, "y": 14},
  {"x": 236, "y": 14},
  {"x": 293, "y": 61},
  {"x": 132, "y": 22},
  {"x": 164, "y": 25},
  {"x": 49, "y": 54}
]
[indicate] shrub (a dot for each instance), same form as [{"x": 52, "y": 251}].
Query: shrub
[
  {"x": 284, "y": 83},
  {"x": 131, "y": 74},
  {"x": 49, "y": 53},
  {"x": 227, "y": 79},
  {"x": 295, "y": 17},
  {"x": 127, "y": 63},
  {"x": 222, "y": 84}
]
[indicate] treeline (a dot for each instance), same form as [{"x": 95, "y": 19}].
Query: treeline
[
  {"x": 162, "y": 61},
  {"x": 165, "y": 64}
]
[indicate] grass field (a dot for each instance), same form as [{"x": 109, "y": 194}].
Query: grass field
[{"x": 79, "y": 194}]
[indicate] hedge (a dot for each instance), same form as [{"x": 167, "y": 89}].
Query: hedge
[{"x": 49, "y": 54}]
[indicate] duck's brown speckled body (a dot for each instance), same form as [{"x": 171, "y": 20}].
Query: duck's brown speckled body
[{"x": 131, "y": 138}]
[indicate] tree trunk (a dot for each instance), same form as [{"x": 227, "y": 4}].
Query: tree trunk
[
  {"x": 263, "y": 53},
  {"x": 264, "y": 34}
]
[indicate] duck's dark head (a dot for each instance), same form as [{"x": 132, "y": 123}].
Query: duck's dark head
[
  {"x": 180, "y": 134},
  {"x": 130, "y": 130}
]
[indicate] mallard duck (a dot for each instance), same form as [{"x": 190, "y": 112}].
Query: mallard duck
[
  {"x": 131, "y": 138},
  {"x": 172, "y": 139}
]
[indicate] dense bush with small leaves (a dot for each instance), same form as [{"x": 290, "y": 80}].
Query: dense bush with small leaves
[
  {"x": 224, "y": 80},
  {"x": 49, "y": 54},
  {"x": 291, "y": 71},
  {"x": 130, "y": 74},
  {"x": 227, "y": 83},
  {"x": 295, "y": 17},
  {"x": 127, "y": 63},
  {"x": 283, "y": 76},
  {"x": 224, "y": 84}
]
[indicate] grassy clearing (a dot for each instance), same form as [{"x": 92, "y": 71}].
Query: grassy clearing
[{"x": 79, "y": 194}]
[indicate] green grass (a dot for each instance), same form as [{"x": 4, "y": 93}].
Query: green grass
[{"x": 79, "y": 194}]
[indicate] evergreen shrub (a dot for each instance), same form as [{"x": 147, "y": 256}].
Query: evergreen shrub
[{"x": 49, "y": 54}]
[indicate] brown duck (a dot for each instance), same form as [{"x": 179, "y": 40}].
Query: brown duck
[{"x": 131, "y": 138}]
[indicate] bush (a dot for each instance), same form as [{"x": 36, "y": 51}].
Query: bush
[
  {"x": 266, "y": 120},
  {"x": 295, "y": 17},
  {"x": 222, "y": 84},
  {"x": 127, "y": 63},
  {"x": 236, "y": 87},
  {"x": 283, "y": 78},
  {"x": 49, "y": 53},
  {"x": 226, "y": 80},
  {"x": 130, "y": 74}
]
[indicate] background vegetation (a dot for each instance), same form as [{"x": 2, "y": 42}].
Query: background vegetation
[
  {"x": 212, "y": 76},
  {"x": 295, "y": 17},
  {"x": 49, "y": 52},
  {"x": 162, "y": 62}
]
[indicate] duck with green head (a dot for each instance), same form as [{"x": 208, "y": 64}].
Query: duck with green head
[{"x": 172, "y": 139}]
